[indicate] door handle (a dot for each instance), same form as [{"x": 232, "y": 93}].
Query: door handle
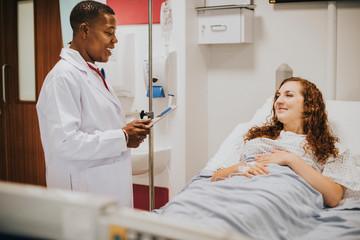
[{"x": 3, "y": 77}]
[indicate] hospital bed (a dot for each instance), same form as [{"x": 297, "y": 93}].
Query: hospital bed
[
  {"x": 36, "y": 212},
  {"x": 298, "y": 215}
]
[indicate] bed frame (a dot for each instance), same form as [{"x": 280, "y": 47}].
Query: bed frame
[{"x": 33, "y": 212}]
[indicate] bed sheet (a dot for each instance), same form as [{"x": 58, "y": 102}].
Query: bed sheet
[
  {"x": 280, "y": 205},
  {"x": 340, "y": 223}
]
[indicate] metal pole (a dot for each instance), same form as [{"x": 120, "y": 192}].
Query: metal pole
[
  {"x": 151, "y": 135},
  {"x": 332, "y": 48}
]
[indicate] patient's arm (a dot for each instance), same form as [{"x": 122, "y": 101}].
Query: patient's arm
[
  {"x": 331, "y": 191},
  {"x": 256, "y": 169}
]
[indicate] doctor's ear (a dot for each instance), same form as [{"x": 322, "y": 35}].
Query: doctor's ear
[{"x": 83, "y": 30}]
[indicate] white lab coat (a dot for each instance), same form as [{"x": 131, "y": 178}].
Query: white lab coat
[{"x": 80, "y": 124}]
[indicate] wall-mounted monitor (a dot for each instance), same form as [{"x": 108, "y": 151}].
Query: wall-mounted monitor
[{"x": 290, "y": 1}]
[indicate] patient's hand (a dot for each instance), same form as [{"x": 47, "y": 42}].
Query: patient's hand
[
  {"x": 277, "y": 157},
  {"x": 246, "y": 169},
  {"x": 257, "y": 168}
]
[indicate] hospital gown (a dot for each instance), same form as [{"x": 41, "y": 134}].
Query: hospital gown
[{"x": 341, "y": 170}]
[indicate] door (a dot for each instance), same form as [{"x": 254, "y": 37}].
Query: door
[{"x": 21, "y": 157}]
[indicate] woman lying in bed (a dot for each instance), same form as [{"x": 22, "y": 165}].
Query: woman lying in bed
[
  {"x": 297, "y": 136},
  {"x": 284, "y": 173}
]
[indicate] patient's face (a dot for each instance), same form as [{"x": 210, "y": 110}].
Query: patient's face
[{"x": 289, "y": 106}]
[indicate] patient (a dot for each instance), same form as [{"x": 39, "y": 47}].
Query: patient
[
  {"x": 297, "y": 136},
  {"x": 284, "y": 173}
]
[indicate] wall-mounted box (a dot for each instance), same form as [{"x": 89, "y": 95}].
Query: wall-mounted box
[
  {"x": 211, "y": 3},
  {"x": 225, "y": 25}
]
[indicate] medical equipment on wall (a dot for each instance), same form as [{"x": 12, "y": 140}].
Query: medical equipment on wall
[
  {"x": 164, "y": 79},
  {"x": 166, "y": 23},
  {"x": 163, "y": 66},
  {"x": 158, "y": 90},
  {"x": 283, "y": 72},
  {"x": 230, "y": 24}
]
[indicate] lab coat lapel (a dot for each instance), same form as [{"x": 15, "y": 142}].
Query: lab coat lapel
[
  {"x": 101, "y": 87},
  {"x": 74, "y": 58}
]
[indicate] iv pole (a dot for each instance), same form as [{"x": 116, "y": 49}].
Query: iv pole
[{"x": 151, "y": 134}]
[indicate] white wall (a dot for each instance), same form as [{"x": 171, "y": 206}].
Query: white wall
[
  {"x": 242, "y": 76},
  {"x": 348, "y": 54},
  {"x": 196, "y": 94}
]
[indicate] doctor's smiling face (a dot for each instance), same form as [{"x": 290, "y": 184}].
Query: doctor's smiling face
[
  {"x": 99, "y": 36},
  {"x": 289, "y": 106},
  {"x": 94, "y": 25}
]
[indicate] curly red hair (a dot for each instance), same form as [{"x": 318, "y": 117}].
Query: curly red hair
[{"x": 320, "y": 139}]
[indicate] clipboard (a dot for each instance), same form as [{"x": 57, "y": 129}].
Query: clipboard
[{"x": 162, "y": 115}]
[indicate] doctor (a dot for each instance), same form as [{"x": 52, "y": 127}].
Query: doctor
[{"x": 83, "y": 130}]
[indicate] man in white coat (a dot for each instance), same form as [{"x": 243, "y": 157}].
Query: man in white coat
[{"x": 83, "y": 130}]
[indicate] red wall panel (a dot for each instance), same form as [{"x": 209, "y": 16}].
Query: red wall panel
[{"x": 128, "y": 12}]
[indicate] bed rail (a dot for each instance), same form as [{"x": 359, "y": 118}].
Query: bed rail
[{"x": 28, "y": 211}]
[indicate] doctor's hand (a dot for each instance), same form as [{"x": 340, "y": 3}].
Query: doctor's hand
[{"x": 136, "y": 132}]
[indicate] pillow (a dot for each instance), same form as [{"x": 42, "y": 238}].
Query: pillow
[
  {"x": 344, "y": 121},
  {"x": 262, "y": 113},
  {"x": 233, "y": 142}
]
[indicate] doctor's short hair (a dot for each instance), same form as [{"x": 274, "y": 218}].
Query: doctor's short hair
[{"x": 86, "y": 12}]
